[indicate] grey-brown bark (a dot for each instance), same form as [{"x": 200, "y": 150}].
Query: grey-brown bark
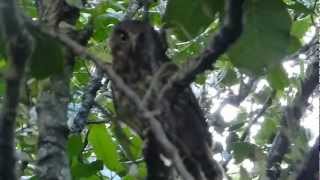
[
  {"x": 53, "y": 102},
  {"x": 18, "y": 50}
]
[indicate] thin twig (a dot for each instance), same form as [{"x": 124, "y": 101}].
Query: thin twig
[
  {"x": 227, "y": 35},
  {"x": 266, "y": 105},
  {"x": 155, "y": 126}
]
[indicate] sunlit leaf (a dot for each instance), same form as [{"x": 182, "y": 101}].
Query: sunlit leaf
[
  {"x": 278, "y": 78},
  {"x": 243, "y": 150},
  {"x": 265, "y": 38},
  {"x": 81, "y": 170},
  {"x": 189, "y": 18},
  {"x": 75, "y": 145},
  {"x": 300, "y": 27},
  {"x": 268, "y": 130},
  {"x": 104, "y": 147}
]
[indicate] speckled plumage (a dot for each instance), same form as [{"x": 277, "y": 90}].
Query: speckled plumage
[{"x": 138, "y": 52}]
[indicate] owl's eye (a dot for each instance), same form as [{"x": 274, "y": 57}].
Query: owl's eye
[{"x": 123, "y": 36}]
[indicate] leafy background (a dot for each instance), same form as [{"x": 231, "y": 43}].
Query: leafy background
[{"x": 273, "y": 30}]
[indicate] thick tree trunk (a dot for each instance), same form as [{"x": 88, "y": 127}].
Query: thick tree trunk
[
  {"x": 18, "y": 50},
  {"x": 53, "y": 103}
]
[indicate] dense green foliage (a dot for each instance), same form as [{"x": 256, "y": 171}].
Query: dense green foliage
[{"x": 273, "y": 30}]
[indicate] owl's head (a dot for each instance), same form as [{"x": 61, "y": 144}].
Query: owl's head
[{"x": 132, "y": 37}]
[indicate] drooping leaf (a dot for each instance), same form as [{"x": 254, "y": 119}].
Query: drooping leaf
[
  {"x": 188, "y": 18},
  {"x": 136, "y": 143},
  {"x": 230, "y": 78},
  {"x": 300, "y": 27},
  {"x": 81, "y": 76},
  {"x": 105, "y": 148},
  {"x": 103, "y": 25},
  {"x": 300, "y": 8},
  {"x": 294, "y": 45},
  {"x": 47, "y": 57},
  {"x": 81, "y": 170},
  {"x": 243, "y": 150},
  {"x": 265, "y": 38},
  {"x": 74, "y": 146},
  {"x": 29, "y": 7},
  {"x": 268, "y": 129},
  {"x": 278, "y": 78},
  {"x": 201, "y": 79}
]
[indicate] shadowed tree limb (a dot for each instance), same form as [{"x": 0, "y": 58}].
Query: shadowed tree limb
[
  {"x": 290, "y": 121},
  {"x": 18, "y": 50},
  {"x": 310, "y": 167},
  {"x": 52, "y": 106},
  {"x": 156, "y": 128},
  {"x": 88, "y": 100},
  {"x": 95, "y": 84},
  {"x": 227, "y": 35},
  {"x": 265, "y": 106}
]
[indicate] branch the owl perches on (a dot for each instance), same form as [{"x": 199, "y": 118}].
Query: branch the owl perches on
[
  {"x": 172, "y": 122},
  {"x": 176, "y": 80}
]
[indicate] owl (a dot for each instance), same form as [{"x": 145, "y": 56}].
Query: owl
[{"x": 138, "y": 52}]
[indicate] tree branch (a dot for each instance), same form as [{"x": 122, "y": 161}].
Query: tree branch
[
  {"x": 18, "y": 50},
  {"x": 310, "y": 168},
  {"x": 156, "y": 127},
  {"x": 95, "y": 84},
  {"x": 228, "y": 34},
  {"x": 290, "y": 121},
  {"x": 266, "y": 105},
  {"x": 52, "y": 106}
]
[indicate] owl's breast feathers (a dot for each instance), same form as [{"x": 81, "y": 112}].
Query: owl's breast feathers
[
  {"x": 139, "y": 68},
  {"x": 182, "y": 116}
]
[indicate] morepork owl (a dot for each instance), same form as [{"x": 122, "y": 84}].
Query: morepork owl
[{"x": 138, "y": 53}]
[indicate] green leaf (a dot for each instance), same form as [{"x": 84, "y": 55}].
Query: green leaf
[
  {"x": 29, "y": 7},
  {"x": 74, "y": 146},
  {"x": 105, "y": 148},
  {"x": 268, "y": 129},
  {"x": 300, "y": 27},
  {"x": 265, "y": 38},
  {"x": 242, "y": 151},
  {"x": 47, "y": 57},
  {"x": 86, "y": 170},
  {"x": 2, "y": 87},
  {"x": 230, "y": 78},
  {"x": 188, "y": 18},
  {"x": 237, "y": 125},
  {"x": 300, "y": 8},
  {"x": 278, "y": 78},
  {"x": 201, "y": 78},
  {"x": 102, "y": 26},
  {"x": 295, "y": 45},
  {"x": 81, "y": 76},
  {"x": 136, "y": 143}
]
